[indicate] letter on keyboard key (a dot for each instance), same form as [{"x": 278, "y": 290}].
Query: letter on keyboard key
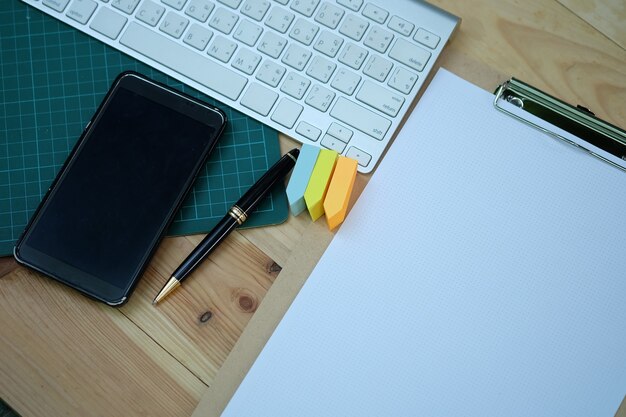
[
  {"x": 320, "y": 98},
  {"x": 259, "y": 99},
  {"x": 246, "y": 61},
  {"x": 127, "y": 6},
  {"x": 198, "y": 37},
  {"x": 295, "y": 85},
  {"x": 270, "y": 73},
  {"x": 380, "y": 98},
  {"x": 184, "y": 61},
  {"x": 199, "y": 9},
  {"x": 108, "y": 22},
  {"x": 255, "y": 9},
  {"x": 174, "y": 24},
  {"x": 360, "y": 118},
  {"x": 306, "y": 7},
  {"x": 150, "y": 13}
]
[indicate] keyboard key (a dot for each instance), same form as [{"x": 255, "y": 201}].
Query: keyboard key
[
  {"x": 362, "y": 157},
  {"x": 346, "y": 81},
  {"x": 328, "y": 44},
  {"x": 57, "y": 5},
  {"x": 127, "y": 6},
  {"x": 198, "y": 37},
  {"x": 270, "y": 73},
  {"x": 400, "y": 25},
  {"x": 174, "y": 24},
  {"x": 223, "y": 20},
  {"x": 378, "y": 39},
  {"x": 200, "y": 9},
  {"x": 150, "y": 13},
  {"x": 176, "y": 4},
  {"x": 329, "y": 15},
  {"x": 360, "y": 118},
  {"x": 81, "y": 10},
  {"x": 182, "y": 60},
  {"x": 259, "y": 99},
  {"x": 333, "y": 143},
  {"x": 296, "y": 57},
  {"x": 378, "y": 68},
  {"x": 231, "y": 3},
  {"x": 375, "y": 13},
  {"x": 340, "y": 132},
  {"x": 426, "y": 38},
  {"x": 108, "y": 23},
  {"x": 354, "y": 27},
  {"x": 402, "y": 80},
  {"x": 305, "y": 7},
  {"x": 255, "y": 9},
  {"x": 246, "y": 61},
  {"x": 321, "y": 69},
  {"x": 222, "y": 49},
  {"x": 308, "y": 131},
  {"x": 295, "y": 85},
  {"x": 320, "y": 98},
  {"x": 409, "y": 54},
  {"x": 380, "y": 98},
  {"x": 279, "y": 19},
  {"x": 353, "y": 5},
  {"x": 247, "y": 32},
  {"x": 271, "y": 44},
  {"x": 353, "y": 56},
  {"x": 283, "y": 2},
  {"x": 287, "y": 112},
  {"x": 303, "y": 31}
]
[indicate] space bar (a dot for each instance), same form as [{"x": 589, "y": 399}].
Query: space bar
[{"x": 184, "y": 61}]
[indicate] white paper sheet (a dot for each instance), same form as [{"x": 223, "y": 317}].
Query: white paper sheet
[{"x": 481, "y": 273}]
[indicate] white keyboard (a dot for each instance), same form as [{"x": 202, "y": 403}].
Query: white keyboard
[{"x": 340, "y": 74}]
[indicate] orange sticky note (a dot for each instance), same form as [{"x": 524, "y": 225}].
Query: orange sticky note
[{"x": 339, "y": 191}]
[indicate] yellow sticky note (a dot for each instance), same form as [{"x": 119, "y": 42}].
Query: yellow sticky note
[
  {"x": 339, "y": 191},
  {"x": 318, "y": 183}
]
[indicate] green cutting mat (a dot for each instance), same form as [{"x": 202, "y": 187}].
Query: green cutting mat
[{"x": 53, "y": 78}]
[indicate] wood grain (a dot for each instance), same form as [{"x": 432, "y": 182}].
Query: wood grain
[
  {"x": 200, "y": 322},
  {"x": 540, "y": 42},
  {"x": 65, "y": 355},
  {"x": 608, "y": 17}
]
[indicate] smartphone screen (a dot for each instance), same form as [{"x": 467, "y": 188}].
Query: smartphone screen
[{"x": 110, "y": 205}]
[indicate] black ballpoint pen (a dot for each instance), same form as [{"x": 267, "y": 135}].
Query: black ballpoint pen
[{"x": 235, "y": 217}]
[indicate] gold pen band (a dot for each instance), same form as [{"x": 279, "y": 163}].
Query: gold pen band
[{"x": 238, "y": 214}]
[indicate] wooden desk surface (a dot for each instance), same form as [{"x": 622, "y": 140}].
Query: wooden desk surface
[{"x": 62, "y": 354}]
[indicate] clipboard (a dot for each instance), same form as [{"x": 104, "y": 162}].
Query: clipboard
[
  {"x": 285, "y": 289},
  {"x": 599, "y": 138}
]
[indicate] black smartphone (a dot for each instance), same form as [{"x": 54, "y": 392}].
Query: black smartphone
[{"x": 105, "y": 213}]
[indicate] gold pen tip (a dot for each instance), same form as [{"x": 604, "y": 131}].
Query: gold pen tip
[{"x": 170, "y": 286}]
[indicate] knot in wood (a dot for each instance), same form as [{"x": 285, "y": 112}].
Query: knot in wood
[{"x": 204, "y": 317}]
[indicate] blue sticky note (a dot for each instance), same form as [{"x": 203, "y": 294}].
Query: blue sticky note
[{"x": 300, "y": 178}]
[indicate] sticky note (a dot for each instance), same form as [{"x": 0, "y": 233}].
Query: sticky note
[
  {"x": 339, "y": 191},
  {"x": 300, "y": 178},
  {"x": 318, "y": 183}
]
